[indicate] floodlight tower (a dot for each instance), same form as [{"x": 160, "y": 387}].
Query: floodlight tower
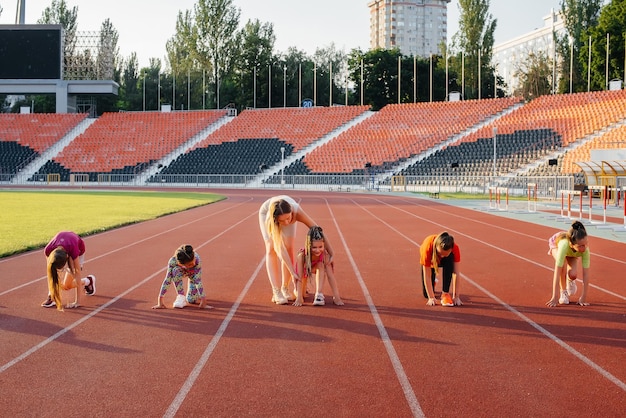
[{"x": 20, "y": 12}]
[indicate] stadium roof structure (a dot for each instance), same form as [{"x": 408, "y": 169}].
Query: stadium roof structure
[
  {"x": 602, "y": 173},
  {"x": 61, "y": 88}
]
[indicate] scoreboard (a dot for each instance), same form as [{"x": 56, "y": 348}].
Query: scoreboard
[{"x": 31, "y": 52}]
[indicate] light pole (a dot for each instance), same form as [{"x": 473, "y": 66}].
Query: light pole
[
  {"x": 282, "y": 170},
  {"x": 285, "y": 86}
]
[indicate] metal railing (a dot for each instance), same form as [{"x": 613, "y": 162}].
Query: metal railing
[{"x": 546, "y": 186}]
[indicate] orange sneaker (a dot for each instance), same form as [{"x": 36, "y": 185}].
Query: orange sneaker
[{"x": 446, "y": 300}]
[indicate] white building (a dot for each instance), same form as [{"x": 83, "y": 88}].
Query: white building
[
  {"x": 508, "y": 55},
  {"x": 416, "y": 27}
]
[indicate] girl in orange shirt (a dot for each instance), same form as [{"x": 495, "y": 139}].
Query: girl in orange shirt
[{"x": 440, "y": 251}]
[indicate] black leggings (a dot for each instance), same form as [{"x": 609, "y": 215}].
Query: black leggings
[{"x": 447, "y": 264}]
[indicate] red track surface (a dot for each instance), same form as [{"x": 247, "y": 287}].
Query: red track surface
[{"x": 385, "y": 353}]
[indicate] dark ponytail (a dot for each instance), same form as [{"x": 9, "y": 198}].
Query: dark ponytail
[
  {"x": 576, "y": 232},
  {"x": 185, "y": 254}
]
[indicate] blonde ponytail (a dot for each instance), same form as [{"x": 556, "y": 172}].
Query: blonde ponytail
[{"x": 55, "y": 262}]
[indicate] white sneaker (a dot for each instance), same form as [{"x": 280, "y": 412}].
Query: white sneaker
[
  {"x": 286, "y": 294},
  {"x": 180, "y": 302},
  {"x": 571, "y": 287},
  {"x": 319, "y": 300},
  {"x": 278, "y": 297},
  {"x": 564, "y": 299}
]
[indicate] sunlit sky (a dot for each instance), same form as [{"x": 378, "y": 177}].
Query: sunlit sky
[{"x": 144, "y": 26}]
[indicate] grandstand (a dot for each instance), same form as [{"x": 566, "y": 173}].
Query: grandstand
[{"x": 425, "y": 143}]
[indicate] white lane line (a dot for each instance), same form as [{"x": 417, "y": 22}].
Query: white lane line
[
  {"x": 129, "y": 245},
  {"x": 409, "y": 394},
  {"x": 526, "y": 319},
  {"x": 456, "y": 232},
  {"x": 195, "y": 372},
  {"x": 63, "y": 331}
]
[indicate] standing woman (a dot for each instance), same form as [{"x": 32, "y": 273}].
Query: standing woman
[
  {"x": 567, "y": 248},
  {"x": 440, "y": 251},
  {"x": 65, "y": 254},
  {"x": 277, "y": 219}
]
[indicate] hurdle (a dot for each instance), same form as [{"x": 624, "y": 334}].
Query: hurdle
[
  {"x": 495, "y": 197},
  {"x": 531, "y": 194},
  {"x": 604, "y": 196},
  {"x": 570, "y": 194}
]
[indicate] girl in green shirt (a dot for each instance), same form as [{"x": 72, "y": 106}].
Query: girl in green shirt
[{"x": 566, "y": 248}]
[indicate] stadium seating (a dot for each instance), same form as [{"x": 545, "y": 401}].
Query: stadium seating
[
  {"x": 127, "y": 142},
  {"x": 293, "y": 125},
  {"x": 399, "y": 131},
  {"x": 38, "y": 131}
]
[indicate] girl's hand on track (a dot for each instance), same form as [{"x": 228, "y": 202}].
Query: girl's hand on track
[
  {"x": 551, "y": 302},
  {"x": 431, "y": 302}
]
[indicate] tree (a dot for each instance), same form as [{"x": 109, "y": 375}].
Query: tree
[
  {"x": 330, "y": 71},
  {"x": 257, "y": 44},
  {"x": 579, "y": 16},
  {"x": 474, "y": 43},
  {"x": 217, "y": 37},
  {"x": 609, "y": 29},
  {"x": 131, "y": 91},
  {"x": 534, "y": 75},
  {"x": 58, "y": 13}
]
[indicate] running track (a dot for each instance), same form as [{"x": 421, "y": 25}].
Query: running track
[{"x": 384, "y": 354}]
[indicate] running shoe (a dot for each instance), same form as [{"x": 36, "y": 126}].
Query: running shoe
[
  {"x": 319, "y": 300},
  {"x": 180, "y": 302},
  {"x": 446, "y": 299},
  {"x": 286, "y": 294},
  {"x": 571, "y": 287},
  {"x": 49, "y": 303},
  {"x": 90, "y": 289},
  {"x": 278, "y": 298},
  {"x": 564, "y": 299}
]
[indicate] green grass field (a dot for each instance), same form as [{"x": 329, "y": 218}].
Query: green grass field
[{"x": 29, "y": 219}]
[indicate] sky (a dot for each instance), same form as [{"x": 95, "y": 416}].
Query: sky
[{"x": 144, "y": 26}]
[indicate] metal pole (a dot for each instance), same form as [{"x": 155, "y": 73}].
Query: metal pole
[
  {"x": 330, "y": 84},
  {"x": 589, "y": 68},
  {"x": 314, "y": 84},
  {"x": 269, "y": 86},
  {"x": 479, "y": 81},
  {"x": 571, "y": 63},
  {"x": 362, "y": 82},
  {"x": 447, "y": 82},
  {"x": 463, "y": 75},
  {"x": 282, "y": 170},
  {"x": 495, "y": 141},
  {"x": 431, "y": 77},
  {"x": 414, "y": 78},
  {"x": 606, "y": 73},
  {"x": 285, "y": 86},
  {"x": 144, "y": 92}
]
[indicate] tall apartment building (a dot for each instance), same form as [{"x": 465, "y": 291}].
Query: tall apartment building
[{"x": 416, "y": 27}]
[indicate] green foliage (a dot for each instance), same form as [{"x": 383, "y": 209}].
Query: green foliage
[
  {"x": 29, "y": 219},
  {"x": 579, "y": 16},
  {"x": 608, "y": 33},
  {"x": 473, "y": 44},
  {"x": 535, "y": 75}
]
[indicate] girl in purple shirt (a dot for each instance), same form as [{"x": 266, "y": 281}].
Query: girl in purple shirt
[{"x": 65, "y": 254}]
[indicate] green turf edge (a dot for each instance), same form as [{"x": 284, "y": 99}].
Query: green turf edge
[{"x": 214, "y": 198}]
